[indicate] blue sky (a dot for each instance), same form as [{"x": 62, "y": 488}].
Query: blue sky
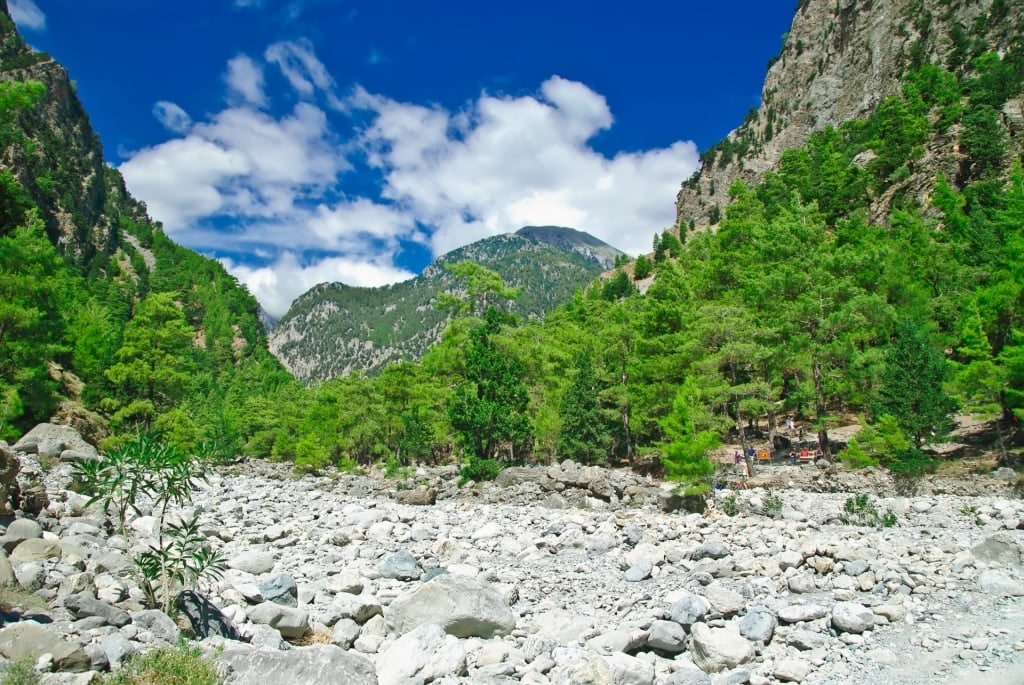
[{"x": 302, "y": 141}]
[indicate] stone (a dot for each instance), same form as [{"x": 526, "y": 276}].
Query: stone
[
  {"x": 687, "y": 675},
  {"x": 417, "y": 496},
  {"x": 792, "y": 670},
  {"x": 291, "y": 623},
  {"x": 359, "y": 608},
  {"x": 7, "y": 576},
  {"x": 1005, "y": 547},
  {"x": 23, "y": 529},
  {"x": 347, "y": 582},
  {"x": 851, "y": 617},
  {"x": 622, "y": 640},
  {"x": 36, "y": 549},
  {"x": 424, "y": 654},
  {"x": 1000, "y": 584},
  {"x": 689, "y": 609},
  {"x": 719, "y": 649},
  {"x": 464, "y": 607},
  {"x": 806, "y": 640},
  {"x": 263, "y": 636},
  {"x": 401, "y": 566},
  {"x": 320, "y": 664},
  {"x": 344, "y": 633},
  {"x": 639, "y": 571},
  {"x": 31, "y": 576},
  {"x": 795, "y": 613},
  {"x": 65, "y": 437},
  {"x": 255, "y": 562},
  {"x": 724, "y": 601},
  {"x": 28, "y": 640},
  {"x": 629, "y": 670},
  {"x": 666, "y": 636},
  {"x": 789, "y": 559},
  {"x": 280, "y": 589},
  {"x": 758, "y": 626},
  {"x": 711, "y": 550},
  {"x": 205, "y": 618},
  {"x": 83, "y": 604},
  {"x": 160, "y": 624},
  {"x": 801, "y": 583},
  {"x": 117, "y": 648}
]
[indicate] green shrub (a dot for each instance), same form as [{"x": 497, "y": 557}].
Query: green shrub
[
  {"x": 731, "y": 505},
  {"x": 772, "y": 504},
  {"x": 181, "y": 665},
  {"x": 479, "y": 470},
  {"x": 854, "y": 457},
  {"x": 20, "y": 673},
  {"x": 860, "y": 510}
]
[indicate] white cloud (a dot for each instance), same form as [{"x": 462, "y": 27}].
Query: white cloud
[
  {"x": 245, "y": 80},
  {"x": 300, "y": 66},
  {"x": 173, "y": 117},
  {"x": 27, "y": 15},
  {"x": 278, "y": 284},
  {"x": 286, "y": 188},
  {"x": 510, "y": 161}
]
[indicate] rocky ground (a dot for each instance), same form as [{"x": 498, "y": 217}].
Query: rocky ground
[{"x": 552, "y": 575}]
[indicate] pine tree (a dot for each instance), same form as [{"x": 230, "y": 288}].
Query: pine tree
[{"x": 585, "y": 435}]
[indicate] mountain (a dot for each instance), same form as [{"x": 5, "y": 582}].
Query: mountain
[
  {"x": 107, "y": 324},
  {"x": 839, "y": 62},
  {"x": 336, "y": 329}
]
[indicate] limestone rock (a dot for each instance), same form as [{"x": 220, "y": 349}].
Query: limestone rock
[
  {"x": 758, "y": 626},
  {"x": 255, "y": 562},
  {"x": 851, "y": 617},
  {"x": 36, "y": 549},
  {"x": 320, "y": 664},
  {"x": 420, "y": 656},
  {"x": 689, "y": 609},
  {"x": 792, "y": 670},
  {"x": 417, "y": 496},
  {"x": 84, "y": 604},
  {"x": 719, "y": 649},
  {"x": 291, "y": 623},
  {"x": 401, "y": 566},
  {"x": 666, "y": 636},
  {"x": 464, "y": 607},
  {"x": 29, "y": 640}
]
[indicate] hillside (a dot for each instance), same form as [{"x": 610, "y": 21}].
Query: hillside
[
  {"x": 336, "y": 329},
  {"x": 839, "y": 62},
  {"x": 107, "y": 323}
]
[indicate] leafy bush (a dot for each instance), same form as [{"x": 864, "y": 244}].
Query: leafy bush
[
  {"x": 181, "y": 665},
  {"x": 731, "y": 505},
  {"x": 20, "y": 673},
  {"x": 772, "y": 504},
  {"x": 144, "y": 471},
  {"x": 908, "y": 469},
  {"x": 860, "y": 510},
  {"x": 479, "y": 470}
]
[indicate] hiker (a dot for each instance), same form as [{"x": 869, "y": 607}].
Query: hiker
[
  {"x": 792, "y": 457},
  {"x": 737, "y": 457}
]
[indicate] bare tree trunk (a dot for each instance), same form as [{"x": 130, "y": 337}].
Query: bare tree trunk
[{"x": 819, "y": 409}]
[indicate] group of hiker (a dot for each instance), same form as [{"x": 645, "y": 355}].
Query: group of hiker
[{"x": 763, "y": 455}]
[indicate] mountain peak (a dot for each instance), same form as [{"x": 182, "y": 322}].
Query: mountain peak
[{"x": 572, "y": 240}]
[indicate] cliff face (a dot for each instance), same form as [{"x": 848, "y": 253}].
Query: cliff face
[{"x": 839, "y": 61}]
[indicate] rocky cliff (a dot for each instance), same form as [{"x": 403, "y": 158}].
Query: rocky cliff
[{"x": 838, "y": 62}]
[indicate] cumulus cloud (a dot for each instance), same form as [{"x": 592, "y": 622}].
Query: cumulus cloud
[
  {"x": 27, "y": 15},
  {"x": 510, "y": 161},
  {"x": 279, "y": 283},
  {"x": 245, "y": 80},
  {"x": 319, "y": 199},
  {"x": 173, "y": 117}
]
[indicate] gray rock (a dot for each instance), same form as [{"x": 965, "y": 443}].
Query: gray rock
[
  {"x": 320, "y": 664},
  {"x": 612, "y": 641},
  {"x": 291, "y": 623},
  {"x": 280, "y": 589},
  {"x": 28, "y": 640},
  {"x": 23, "y": 529},
  {"x": 344, "y": 633},
  {"x": 117, "y": 648},
  {"x": 758, "y": 625},
  {"x": 97, "y": 658},
  {"x": 1005, "y": 547},
  {"x": 628, "y": 670},
  {"x": 641, "y": 570},
  {"x": 711, "y": 550},
  {"x": 687, "y": 675},
  {"x": 36, "y": 549},
  {"x": 1000, "y": 584},
  {"x": 792, "y": 670},
  {"x": 554, "y": 501},
  {"x": 723, "y": 601},
  {"x": 359, "y": 608},
  {"x": 851, "y": 617},
  {"x": 83, "y": 604},
  {"x": 666, "y": 636},
  {"x": 806, "y": 640},
  {"x": 719, "y": 649},
  {"x": 264, "y": 637},
  {"x": 254, "y": 561},
  {"x": 160, "y": 624},
  {"x": 7, "y": 577},
  {"x": 464, "y": 607},
  {"x": 801, "y": 583},
  {"x": 795, "y": 613},
  {"x": 855, "y": 567},
  {"x": 401, "y": 566},
  {"x": 31, "y": 576},
  {"x": 689, "y": 609},
  {"x": 420, "y": 656},
  {"x": 64, "y": 436},
  {"x": 417, "y": 496}
]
